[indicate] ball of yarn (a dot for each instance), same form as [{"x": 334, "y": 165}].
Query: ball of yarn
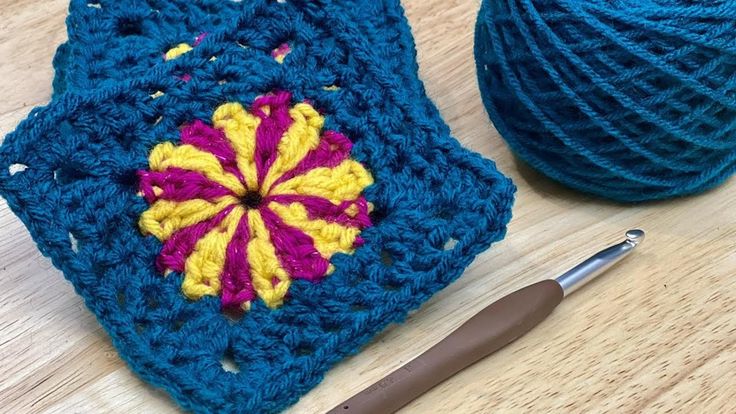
[{"x": 627, "y": 99}]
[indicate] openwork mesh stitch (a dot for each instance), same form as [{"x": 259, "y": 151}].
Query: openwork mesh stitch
[
  {"x": 111, "y": 40},
  {"x": 125, "y": 38},
  {"x": 70, "y": 171}
]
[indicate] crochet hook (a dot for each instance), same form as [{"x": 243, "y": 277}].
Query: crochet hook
[{"x": 488, "y": 331}]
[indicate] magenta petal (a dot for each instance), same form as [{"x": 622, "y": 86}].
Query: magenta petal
[
  {"x": 271, "y": 129},
  {"x": 236, "y": 285},
  {"x": 212, "y": 140},
  {"x": 177, "y": 184},
  {"x": 295, "y": 250},
  {"x": 359, "y": 241},
  {"x": 321, "y": 208},
  {"x": 199, "y": 39},
  {"x": 181, "y": 244},
  {"x": 333, "y": 149}
]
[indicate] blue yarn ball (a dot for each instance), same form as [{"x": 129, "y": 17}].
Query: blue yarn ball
[{"x": 628, "y": 99}]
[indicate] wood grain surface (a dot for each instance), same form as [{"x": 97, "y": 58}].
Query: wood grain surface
[{"x": 655, "y": 334}]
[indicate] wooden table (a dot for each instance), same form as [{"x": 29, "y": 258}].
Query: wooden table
[{"x": 656, "y": 334}]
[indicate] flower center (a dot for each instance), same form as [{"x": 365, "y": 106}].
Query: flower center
[{"x": 252, "y": 199}]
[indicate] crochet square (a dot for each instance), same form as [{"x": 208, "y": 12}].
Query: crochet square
[{"x": 75, "y": 173}]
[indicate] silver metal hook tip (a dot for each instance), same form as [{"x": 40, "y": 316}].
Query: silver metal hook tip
[{"x": 635, "y": 236}]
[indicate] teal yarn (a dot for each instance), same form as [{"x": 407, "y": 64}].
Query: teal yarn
[
  {"x": 69, "y": 171},
  {"x": 628, "y": 100}
]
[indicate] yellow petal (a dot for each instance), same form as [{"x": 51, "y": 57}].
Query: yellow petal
[
  {"x": 264, "y": 265},
  {"x": 165, "y": 217},
  {"x": 301, "y": 137},
  {"x": 188, "y": 157},
  {"x": 240, "y": 129},
  {"x": 329, "y": 238},
  {"x": 204, "y": 266},
  {"x": 343, "y": 182},
  {"x": 177, "y": 51}
]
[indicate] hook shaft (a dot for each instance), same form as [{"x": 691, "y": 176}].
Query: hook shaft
[{"x": 588, "y": 270}]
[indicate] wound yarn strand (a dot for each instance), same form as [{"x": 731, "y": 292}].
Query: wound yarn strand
[{"x": 631, "y": 101}]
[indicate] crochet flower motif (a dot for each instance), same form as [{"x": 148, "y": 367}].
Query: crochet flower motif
[{"x": 253, "y": 202}]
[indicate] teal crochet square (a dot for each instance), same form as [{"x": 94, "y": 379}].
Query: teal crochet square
[{"x": 84, "y": 171}]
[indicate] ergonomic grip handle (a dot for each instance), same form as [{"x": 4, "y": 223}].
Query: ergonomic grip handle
[{"x": 491, "y": 329}]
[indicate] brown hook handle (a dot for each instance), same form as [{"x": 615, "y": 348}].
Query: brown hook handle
[{"x": 488, "y": 331}]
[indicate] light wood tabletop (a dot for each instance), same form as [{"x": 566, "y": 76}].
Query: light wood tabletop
[{"x": 655, "y": 334}]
